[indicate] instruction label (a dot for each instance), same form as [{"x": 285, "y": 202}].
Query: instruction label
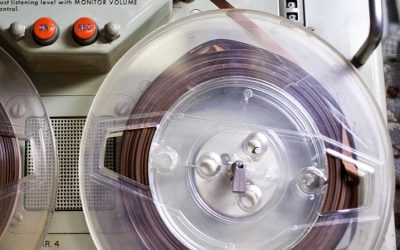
[{"x": 16, "y": 5}]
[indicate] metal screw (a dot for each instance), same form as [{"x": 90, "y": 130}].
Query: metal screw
[
  {"x": 292, "y": 17},
  {"x": 256, "y": 147},
  {"x": 17, "y": 30}
]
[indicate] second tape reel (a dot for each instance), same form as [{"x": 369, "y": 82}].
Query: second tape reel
[
  {"x": 236, "y": 130},
  {"x": 28, "y": 161}
]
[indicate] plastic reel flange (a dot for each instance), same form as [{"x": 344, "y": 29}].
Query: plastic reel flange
[
  {"x": 28, "y": 162},
  {"x": 236, "y": 130}
]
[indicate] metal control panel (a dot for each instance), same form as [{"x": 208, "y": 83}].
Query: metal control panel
[{"x": 77, "y": 35}]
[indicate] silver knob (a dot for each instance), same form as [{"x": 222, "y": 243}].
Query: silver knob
[
  {"x": 17, "y": 30},
  {"x": 112, "y": 31}
]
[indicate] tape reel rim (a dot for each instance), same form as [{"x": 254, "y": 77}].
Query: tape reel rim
[{"x": 340, "y": 62}]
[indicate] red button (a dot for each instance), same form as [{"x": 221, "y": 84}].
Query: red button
[
  {"x": 85, "y": 31},
  {"x": 45, "y": 31}
]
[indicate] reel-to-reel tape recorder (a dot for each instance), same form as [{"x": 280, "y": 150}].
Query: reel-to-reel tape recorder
[{"x": 228, "y": 128}]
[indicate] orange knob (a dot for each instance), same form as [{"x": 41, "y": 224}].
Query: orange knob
[
  {"x": 45, "y": 31},
  {"x": 85, "y": 31}
]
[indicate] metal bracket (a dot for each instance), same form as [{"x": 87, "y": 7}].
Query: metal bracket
[{"x": 374, "y": 35}]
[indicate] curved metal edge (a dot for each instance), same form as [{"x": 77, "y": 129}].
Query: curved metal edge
[{"x": 374, "y": 35}]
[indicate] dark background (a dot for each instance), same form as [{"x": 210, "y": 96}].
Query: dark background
[{"x": 391, "y": 52}]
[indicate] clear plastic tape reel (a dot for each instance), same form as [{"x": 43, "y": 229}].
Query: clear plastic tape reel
[
  {"x": 236, "y": 130},
  {"x": 28, "y": 160}
]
